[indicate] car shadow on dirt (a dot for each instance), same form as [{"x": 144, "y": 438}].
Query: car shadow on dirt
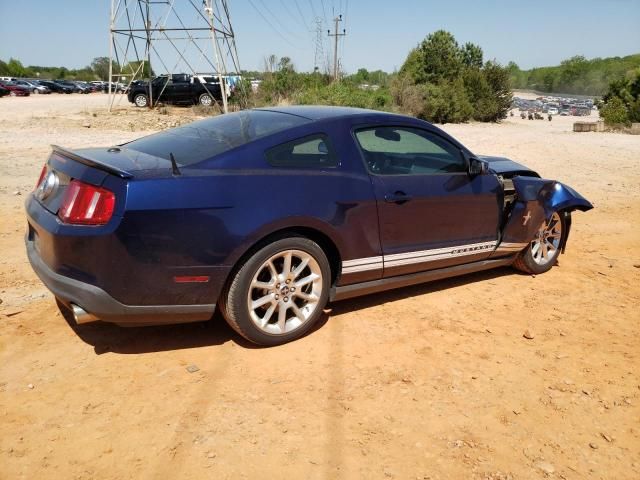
[
  {"x": 106, "y": 337},
  {"x": 353, "y": 304}
]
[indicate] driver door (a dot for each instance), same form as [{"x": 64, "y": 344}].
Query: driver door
[{"x": 432, "y": 213}]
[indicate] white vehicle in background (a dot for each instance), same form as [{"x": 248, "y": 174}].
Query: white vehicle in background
[{"x": 552, "y": 111}]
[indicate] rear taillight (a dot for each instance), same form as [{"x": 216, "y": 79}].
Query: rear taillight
[
  {"x": 42, "y": 174},
  {"x": 85, "y": 204}
]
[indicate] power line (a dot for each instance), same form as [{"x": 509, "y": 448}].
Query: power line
[
  {"x": 271, "y": 25},
  {"x": 277, "y": 18},
  {"x": 313, "y": 10},
  {"x": 290, "y": 12},
  {"x": 306, "y": 25},
  {"x": 324, "y": 12}
]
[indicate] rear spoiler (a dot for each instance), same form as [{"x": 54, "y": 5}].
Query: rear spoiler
[{"x": 92, "y": 163}]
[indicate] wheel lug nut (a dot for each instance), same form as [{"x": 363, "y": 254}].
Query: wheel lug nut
[
  {"x": 293, "y": 289},
  {"x": 287, "y": 281},
  {"x": 277, "y": 285},
  {"x": 286, "y": 299},
  {"x": 277, "y": 297}
]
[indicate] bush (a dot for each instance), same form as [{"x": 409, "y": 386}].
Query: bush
[
  {"x": 345, "y": 95},
  {"x": 614, "y": 112},
  {"x": 621, "y": 103},
  {"x": 446, "y": 103},
  {"x": 443, "y": 82}
]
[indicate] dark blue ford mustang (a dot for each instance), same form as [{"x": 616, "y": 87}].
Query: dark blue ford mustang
[{"x": 270, "y": 213}]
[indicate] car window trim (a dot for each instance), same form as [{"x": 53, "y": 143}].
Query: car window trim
[
  {"x": 310, "y": 136},
  {"x": 366, "y": 126}
]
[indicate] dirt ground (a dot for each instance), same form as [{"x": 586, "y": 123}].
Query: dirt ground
[{"x": 429, "y": 382}]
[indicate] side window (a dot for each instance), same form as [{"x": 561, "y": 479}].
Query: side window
[
  {"x": 314, "y": 151},
  {"x": 408, "y": 151}
]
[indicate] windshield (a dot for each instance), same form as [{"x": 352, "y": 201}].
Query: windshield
[{"x": 207, "y": 138}]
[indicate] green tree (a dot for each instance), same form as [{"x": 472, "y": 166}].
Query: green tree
[
  {"x": 447, "y": 103},
  {"x": 443, "y": 82},
  {"x": 140, "y": 69},
  {"x": 441, "y": 59},
  {"x": 16, "y": 69},
  {"x": 100, "y": 66},
  {"x": 472, "y": 55}
]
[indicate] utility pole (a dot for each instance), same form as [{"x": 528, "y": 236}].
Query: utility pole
[{"x": 336, "y": 35}]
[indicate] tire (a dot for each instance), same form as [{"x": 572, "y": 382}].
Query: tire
[
  {"x": 140, "y": 100},
  {"x": 268, "y": 307},
  {"x": 205, "y": 100},
  {"x": 543, "y": 251}
]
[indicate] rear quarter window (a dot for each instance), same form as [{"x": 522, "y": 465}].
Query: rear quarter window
[{"x": 314, "y": 151}]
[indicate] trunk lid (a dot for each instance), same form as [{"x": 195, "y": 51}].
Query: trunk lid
[{"x": 94, "y": 166}]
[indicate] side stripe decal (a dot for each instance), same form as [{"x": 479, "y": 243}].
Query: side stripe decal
[{"x": 424, "y": 256}]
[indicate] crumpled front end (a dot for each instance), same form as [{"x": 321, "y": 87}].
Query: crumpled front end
[{"x": 536, "y": 201}]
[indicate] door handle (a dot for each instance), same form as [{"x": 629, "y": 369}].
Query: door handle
[{"x": 398, "y": 197}]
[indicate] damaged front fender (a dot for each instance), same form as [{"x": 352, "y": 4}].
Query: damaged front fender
[
  {"x": 536, "y": 200},
  {"x": 551, "y": 195}
]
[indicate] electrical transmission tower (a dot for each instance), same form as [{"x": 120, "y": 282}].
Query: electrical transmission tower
[
  {"x": 336, "y": 36},
  {"x": 173, "y": 36},
  {"x": 318, "y": 58}
]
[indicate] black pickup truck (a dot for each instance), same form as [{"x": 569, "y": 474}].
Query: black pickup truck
[{"x": 176, "y": 88}]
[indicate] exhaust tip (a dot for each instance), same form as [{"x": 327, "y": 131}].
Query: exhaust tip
[{"x": 80, "y": 315}]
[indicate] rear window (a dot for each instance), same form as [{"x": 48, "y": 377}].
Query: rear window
[{"x": 207, "y": 138}]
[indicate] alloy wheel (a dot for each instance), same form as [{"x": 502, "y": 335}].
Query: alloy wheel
[
  {"x": 285, "y": 292},
  {"x": 547, "y": 241},
  {"x": 141, "y": 101}
]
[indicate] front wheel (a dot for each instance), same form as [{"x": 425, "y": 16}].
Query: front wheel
[
  {"x": 205, "y": 100},
  {"x": 140, "y": 100},
  {"x": 279, "y": 292},
  {"x": 543, "y": 251}
]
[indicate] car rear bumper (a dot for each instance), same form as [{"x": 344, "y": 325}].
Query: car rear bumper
[{"x": 103, "y": 306}]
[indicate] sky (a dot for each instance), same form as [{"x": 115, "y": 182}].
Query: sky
[{"x": 379, "y": 33}]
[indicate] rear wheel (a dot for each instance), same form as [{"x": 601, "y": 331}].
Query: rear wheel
[
  {"x": 140, "y": 100},
  {"x": 279, "y": 293},
  {"x": 543, "y": 251}
]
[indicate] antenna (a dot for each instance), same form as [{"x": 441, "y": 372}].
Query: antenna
[{"x": 170, "y": 36}]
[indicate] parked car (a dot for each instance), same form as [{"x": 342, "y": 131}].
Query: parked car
[
  {"x": 32, "y": 86},
  {"x": 15, "y": 90},
  {"x": 83, "y": 87},
  {"x": 268, "y": 214},
  {"x": 115, "y": 87},
  {"x": 177, "y": 88},
  {"x": 553, "y": 111},
  {"x": 56, "y": 87},
  {"x": 69, "y": 84}
]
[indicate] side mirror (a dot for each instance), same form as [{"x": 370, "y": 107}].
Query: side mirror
[{"x": 477, "y": 166}]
